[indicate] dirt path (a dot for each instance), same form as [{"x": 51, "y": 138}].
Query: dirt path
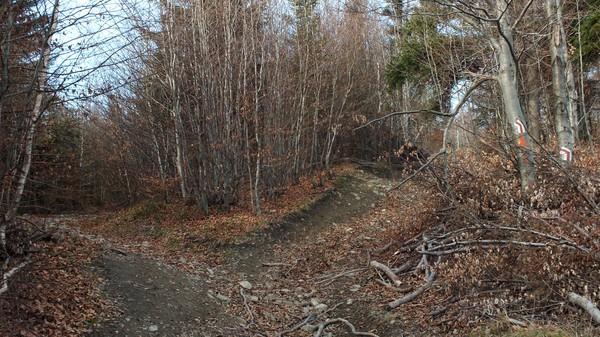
[
  {"x": 352, "y": 196},
  {"x": 157, "y": 300}
]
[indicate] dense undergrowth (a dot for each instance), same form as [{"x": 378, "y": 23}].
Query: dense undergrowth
[{"x": 498, "y": 253}]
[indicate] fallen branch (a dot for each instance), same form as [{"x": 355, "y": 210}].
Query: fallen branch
[
  {"x": 307, "y": 320},
  {"x": 384, "y": 248},
  {"x": 463, "y": 246},
  {"x": 559, "y": 240},
  {"x": 404, "y": 268},
  {"x": 424, "y": 166},
  {"x": 586, "y": 305},
  {"x": 10, "y": 273},
  {"x": 276, "y": 264},
  {"x": 387, "y": 271},
  {"x": 396, "y": 303},
  {"x": 328, "y": 322},
  {"x": 328, "y": 279}
]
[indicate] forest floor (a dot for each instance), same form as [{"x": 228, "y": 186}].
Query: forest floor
[
  {"x": 283, "y": 275},
  {"x": 159, "y": 300}
]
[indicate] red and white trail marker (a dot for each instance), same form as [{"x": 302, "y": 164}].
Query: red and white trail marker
[
  {"x": 566, "y": 154},
  {"x": 519, "y": 127}
]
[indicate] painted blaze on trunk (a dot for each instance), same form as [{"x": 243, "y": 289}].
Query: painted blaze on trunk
[
  {"x": 508, "y": 82},
  {"x": 564, "y": 111}
]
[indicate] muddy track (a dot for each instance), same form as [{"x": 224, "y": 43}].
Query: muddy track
[{"x": 157, "y": 300}]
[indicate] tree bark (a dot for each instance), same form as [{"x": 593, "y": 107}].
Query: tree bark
[
  {"x": 36, "y": 114},
  {"x": 560, "y": 83},
  {"x": 508, "y": 82},
  {"x": 586, "y": 305},
  {"x": 533, "y": 102}
]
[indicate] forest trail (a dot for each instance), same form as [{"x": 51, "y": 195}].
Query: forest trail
[
  {"x": 352, "y": 196},
  {"x": 158, "y": 300}
]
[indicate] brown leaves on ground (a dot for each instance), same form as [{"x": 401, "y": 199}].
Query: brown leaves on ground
[
  {"x": 483, "y": 286},
  {"x": 172, "y": 231},
  {"x": 56, "y": 294},
  {"x": 499, "y": 281},
  {"x": 472, "y": 288}
]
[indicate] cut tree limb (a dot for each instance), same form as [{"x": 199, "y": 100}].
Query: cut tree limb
[
  {"x": 387, "y": 271},
  {"x": 396, "y": 303},
  {"x": 586, "y": 305}
]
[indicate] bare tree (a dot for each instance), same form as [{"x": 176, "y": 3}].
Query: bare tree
[{"x": 562, "y": 83}]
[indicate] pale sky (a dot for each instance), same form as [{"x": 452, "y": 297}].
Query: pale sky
[{"x": 91, "y": 35}]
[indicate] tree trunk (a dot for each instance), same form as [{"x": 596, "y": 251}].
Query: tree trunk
[
  {"x": 180, "y": 151},
  {"x": 573, "y": 99},
  {"x": 558, "y": 52},
  {"x": 36, "y": 114},
  {"x": 533, "y": 102},
  {"x": 508, "y": 82}
]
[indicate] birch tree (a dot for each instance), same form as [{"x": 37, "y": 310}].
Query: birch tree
[{"x": 26, "y": 152}]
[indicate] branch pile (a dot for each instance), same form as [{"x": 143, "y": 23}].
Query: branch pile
[{"x": 491, "y": 252}]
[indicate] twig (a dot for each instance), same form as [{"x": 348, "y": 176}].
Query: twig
[
  {"x": 400, "y": 113},
  {"x": 424, "y": 166},
  {"x": 307, "y": 320},
  {"x": 276, "y": 264},
  {"x": 332, "y": 308},
  {"x": 328, "y": 279},
  {"x": 247, "y": 305},
  {"x": 452, "y": 114},
  {"x": 118, "y": 251},
  {"x": 328, "y": 322},
  {"x": 387, "y": 285},
  {"x": 439, "y": 311},
  {"x": 517, "y": 322}
]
